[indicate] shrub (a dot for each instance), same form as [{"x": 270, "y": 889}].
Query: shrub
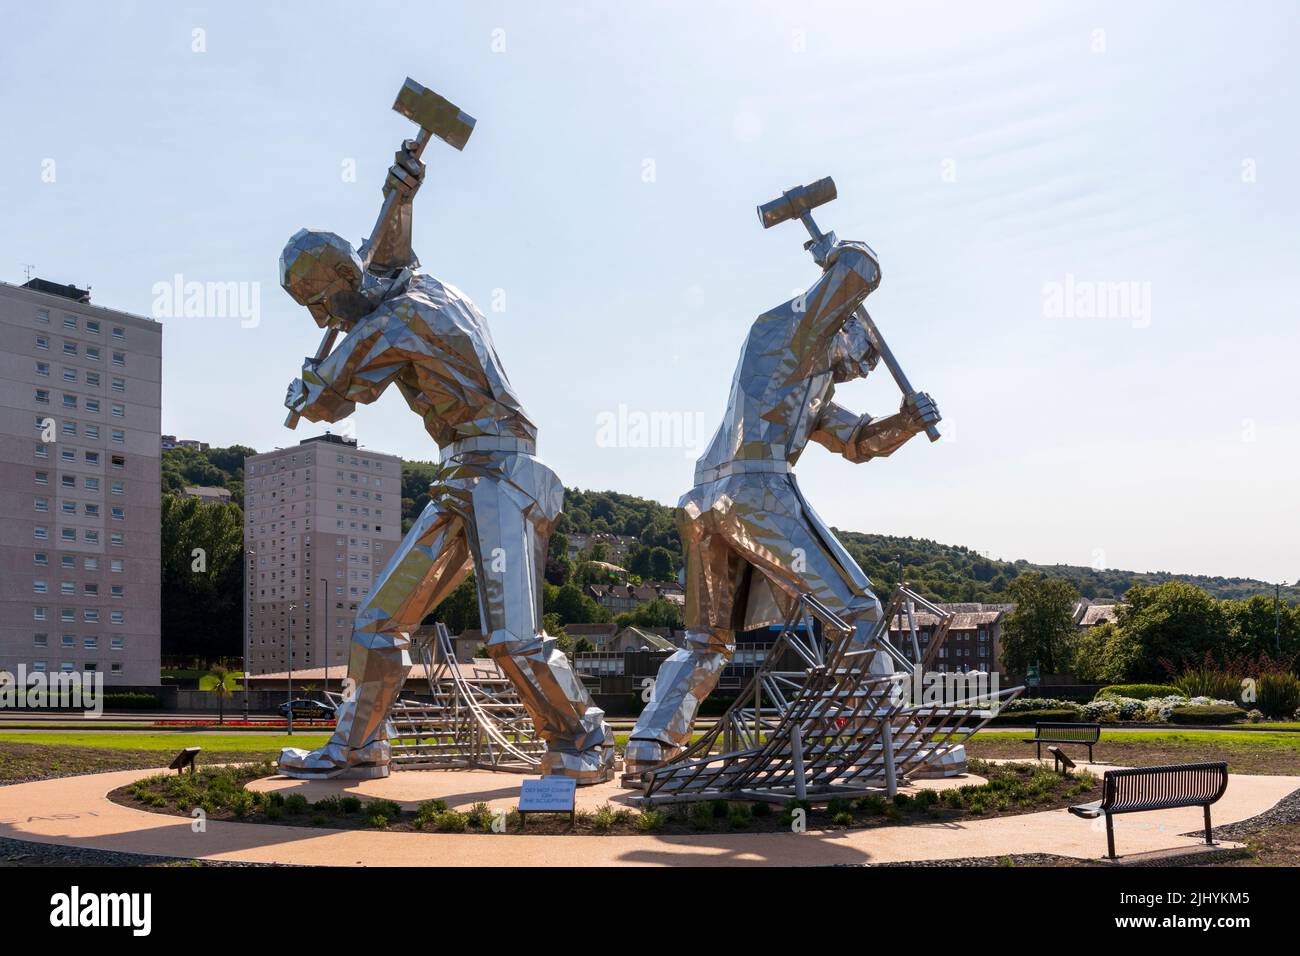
[
  {"x": 1279, "y": 694},
  {"x": 1138, "y": 691},
  {"x": 479, "y": 816},
  {"x": 1254, "y": 716},
  {"x": 273, "y": 812},
  {"x": 649, "y": 821},
  {"x": 295, "y": 803},
  {"x": 318, "y": 819},
  {"x": 1109, "y": 709},
  {"x": 327, "y": 805},
  {"x": 720, "y": 808},
  {"x": 762, "y": 809},
  {"x": 1038, "y": 703},
  {"x": 1206, "y": 714},
  {"x": 451, "y": 821},
  {"x": 275, "y": 799},
  {"x": 242, "y": 804},
  {"x": 740, "y": 816},
  {"x": 902, "y": 800},
  {"x": 131, "y": 700},
  {"x": 1208, "y": 680},
  {"x": 377, "y": 820},
  {"x": 838, "y": 805},
  {"x": 842, "y": 819},
  {"x": 872, "y": 805},
  {"x": 700, "y": 816},
  {"x": 603, "y": 818},
  {"x": 349, "y": 804},
  {"x": 1034, "y": 716}
]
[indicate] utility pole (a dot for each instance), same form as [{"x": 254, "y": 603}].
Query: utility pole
[{"x": 289, "y": 714}]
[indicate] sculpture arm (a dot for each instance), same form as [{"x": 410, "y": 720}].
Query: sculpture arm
[
  {"x": 850, "y": 275},
  {"x": 860, "y": 438},
  {"x": 389, "y": 247},
  {"x": 358, "y": 370}
]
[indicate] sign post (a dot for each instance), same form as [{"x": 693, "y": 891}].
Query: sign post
[{"x": 548, "y": 795}]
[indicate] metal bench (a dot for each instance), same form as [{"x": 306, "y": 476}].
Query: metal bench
[
  {"x": 1136, "y": 789},
  {"x": 1085, "y": 734}
]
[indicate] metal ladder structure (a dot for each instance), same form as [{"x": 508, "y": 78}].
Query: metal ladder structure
[
  {"x": 472, "y": 720},
  {"x": 834, "y": 726}
]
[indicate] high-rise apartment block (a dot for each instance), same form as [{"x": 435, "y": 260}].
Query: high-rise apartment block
[
  {"x": 80, "y": 400},
  {"x": 321, "y": 519}
]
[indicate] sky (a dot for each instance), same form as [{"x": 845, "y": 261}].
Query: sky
[{"x": 1085, "y": 221}]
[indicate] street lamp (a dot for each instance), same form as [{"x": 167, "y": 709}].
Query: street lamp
[
  {"x": 289, "y": 708},
  {"x": 247, "y": 584}
]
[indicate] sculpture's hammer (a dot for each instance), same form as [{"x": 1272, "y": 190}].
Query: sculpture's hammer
[{"x": 799, "y": 202}]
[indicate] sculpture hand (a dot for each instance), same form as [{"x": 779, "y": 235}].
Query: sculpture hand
[
  {"x": 919, "y": 412},
  {"x": 295, "y": 398},
  {"x": 407, "y": 172}
]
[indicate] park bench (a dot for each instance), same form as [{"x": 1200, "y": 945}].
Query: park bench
[
  {"x": 1085, "y": 734},
  {"x": 1136, "y": 789}
]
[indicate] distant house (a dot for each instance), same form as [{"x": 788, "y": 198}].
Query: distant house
[
  {"x": 169, "y": 442},
  {"x": 639, "y": 639},
  {"x": 205, "y": 493},
  {"x": 621, "y": 598},
  {"x": 974, "y": 641},
  {"x": 1087, "y": 614}
]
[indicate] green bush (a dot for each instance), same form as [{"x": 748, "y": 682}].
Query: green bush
[
  {"x": 273, "y": 812},
  {"x": 720, "y": 808},
  {"x": 700, "y": 816},
  {"x": 295, "y": 803},
  {"x": 740, "y": 816},
  {"x": 872, "y": 804},
  {"x": 1138, "y": 691},
  {"x": 480, "y": 816},
  {"x": 838, "y": 805},
  {"x": 328, "y": 805},
  {"x": 603, "y": 818},
  {"x": 1027, "y": 717},
  {"x": 1208, "y": 680},
  {"x": 762, "y": 809},
  {"x": 131, "y": 700},
  {"x": 842, "y": 819},
  {"x": 1206, "y": 714},
  {"x": 451, "y": 821},
  {"x": 650, "y": 820},
  {"x": 349, "y": 804},
  {"x": 1279, "y": 695}
]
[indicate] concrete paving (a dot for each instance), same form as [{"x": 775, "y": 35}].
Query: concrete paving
[{"x": 75, "y": 811}]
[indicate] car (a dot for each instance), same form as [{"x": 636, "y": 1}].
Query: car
[{"x": 304, "y": 707}]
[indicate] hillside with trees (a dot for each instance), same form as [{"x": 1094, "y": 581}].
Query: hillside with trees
[{"x": 941, "y": 572}]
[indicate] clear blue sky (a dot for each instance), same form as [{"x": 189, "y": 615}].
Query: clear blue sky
[{"x": 985, "y": 152}]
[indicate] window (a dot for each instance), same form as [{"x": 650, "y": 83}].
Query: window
[
  {"x": 118, "y": 436},
  {"x": 92, "y": 458},
  {"x": 115, "y": 565},
  {"x": 42, "y": 451},
  {"x": 92, "y": 326},
  {"x": 117, "y": 384},
  {"x": 42, "y": 396},
  {"x": 38, "y": 667},
  {"x": 92, "y": 484},
  {"x": 42, "y": 477},
  {"x": 91, "y": 615},
  {"x": 91, "y": 643},
  {"x": 69, "y": 348},
  {"x": 69, "y": 401},
  {"x": 43, "y": 315},
  {"x": 92, "y": 378},
  {"x": 70, "y": 322},
  {"x": 67, "y": 454},
  {"x": 116, "y": 539},
  {"x": 68, "y": 640},
  {"x": 40, "y": 587},
  {"x": 117, "y": 617},
  {"x": 91, "y": 510},
  {"x": 119, "y": 359},
  {"x": 43, "y": 343},
  {"x": 41, "y": 558},
  {"x": 119, "y": 514},
  {"x": 118, "y": 461},
  {"x": 67, "y": 562},
  {"x": 43, "y": 369},
  {"x": 92, "y": 353},
  {"x": 119, "y": 411},
  {"x": 92, "y": 404},
  {"x": 70, "y": 428},
  {"x": 41, "y": 640},
  {"x": 41, "y": 504},
  {"x": 69, "y": 374},
  {"x": 92, "y": 537},
  {"x": 119, "y": 590},
  {"x": 118, "y": 488},
  {"x": 68, "y": 507},
  {"x": 116, "y": 668},
  {"x": 67, "y": 587},
  {"x": 40, "y": 613},
  {"x": 119, "y": 333},
  {"x": 68, "y": 667},
  {"x": 68, "y": 534},
  {"x": 68, "y": 481},
  {"x": 91, "y": 564},
  {"x": 40, "y": 532}
]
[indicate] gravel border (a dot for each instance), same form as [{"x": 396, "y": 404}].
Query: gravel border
[{"x": 25, "y": 853}]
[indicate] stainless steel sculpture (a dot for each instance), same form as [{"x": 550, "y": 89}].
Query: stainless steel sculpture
[
  {"x": 753, "y": 544},
  {"x": 474, "y": 718},
  {"x": 840, "y": 722},
  {"x": 492, "y": 504}
]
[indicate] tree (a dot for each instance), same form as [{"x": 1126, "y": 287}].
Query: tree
[
  {"x": 661, "y": 564},
  {"x": 202, "y": 578},
  {"x": 1170, "y": 624},
  {"x": 222, "y": 682},
  {"x": 1040, "y": 628},
  {"x": 1103, "y": 654},
  {"x": 656, "y": 613},
  {"x": 574, "y": 607},
  {"x": 459, "y": 609}
]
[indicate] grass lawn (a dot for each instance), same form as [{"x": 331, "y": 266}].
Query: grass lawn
[
  {"x": 170, "y": 742},
  {"x": 1258, "y": 752}
]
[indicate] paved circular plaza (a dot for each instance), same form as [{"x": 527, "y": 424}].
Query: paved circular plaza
[{"x": 76, "y": 811}]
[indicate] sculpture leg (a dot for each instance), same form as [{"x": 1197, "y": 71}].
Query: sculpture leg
[
  {"x": 431, "y": 560},
  {"x": 714, "y": 573},
  {"x": 510, "y": 534}
]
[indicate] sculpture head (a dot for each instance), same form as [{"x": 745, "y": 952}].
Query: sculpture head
[
  {"x": 852, "y": 354},
  {"x": 323, "y": 272}
]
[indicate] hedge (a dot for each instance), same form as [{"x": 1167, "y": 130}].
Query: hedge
[
  {"x": 131, "y": 699},
  {"x": 1036, "y": 716},
  {"x": 1138, "y": 691},
  {"x": 1206, "y": 714}
]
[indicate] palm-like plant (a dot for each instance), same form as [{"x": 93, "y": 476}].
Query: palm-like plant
[{"x": 223, "y": 682}]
